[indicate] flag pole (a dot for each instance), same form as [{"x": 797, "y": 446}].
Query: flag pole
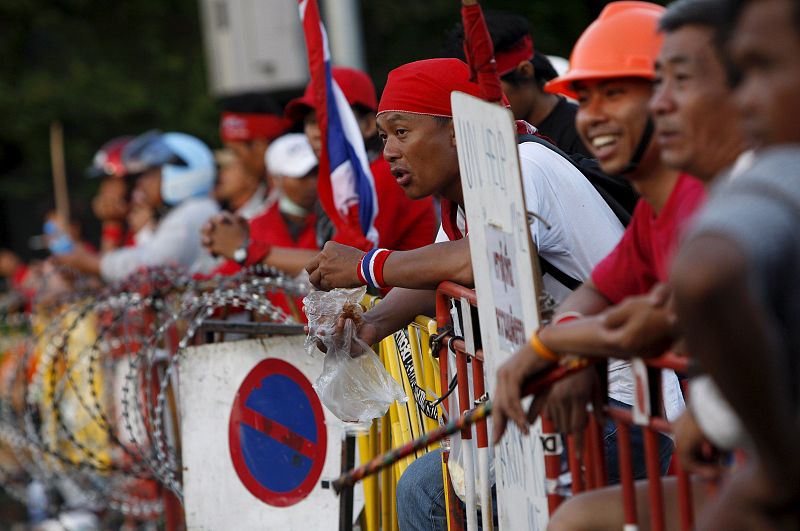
[{"x": 59, "y": 171}]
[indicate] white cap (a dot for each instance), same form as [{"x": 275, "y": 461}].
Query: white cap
[{"x": 290, "y": 156}]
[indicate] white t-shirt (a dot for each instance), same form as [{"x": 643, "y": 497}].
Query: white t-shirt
[{"x": 582, "y": 231}]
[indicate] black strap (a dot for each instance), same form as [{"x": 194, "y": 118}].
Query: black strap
[
  {"x": 621, "y": 210},
  {"x": 641, "y": 149},
  {"x": 556, "y": 273}
]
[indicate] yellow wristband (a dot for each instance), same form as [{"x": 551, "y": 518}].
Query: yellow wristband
[{"x": 542, "y": 350}]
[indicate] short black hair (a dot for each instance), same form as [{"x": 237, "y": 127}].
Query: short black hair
[
  {"x": 712, "y": 14},
  {"x": 251, "y": 103},
  {"x": 734, "y": 9},
  {"x": 506, "y": 30}
]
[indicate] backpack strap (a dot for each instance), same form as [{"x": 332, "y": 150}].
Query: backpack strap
[{"x": 567, "y": 281}]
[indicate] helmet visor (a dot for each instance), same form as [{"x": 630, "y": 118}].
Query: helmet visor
[{"x": 148, "y": 151}]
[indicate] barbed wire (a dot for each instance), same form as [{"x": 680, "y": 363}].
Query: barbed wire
[{"x": 88, "y": 380}]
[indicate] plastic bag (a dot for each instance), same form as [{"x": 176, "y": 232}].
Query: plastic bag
[{"x": 353, "y": 385}]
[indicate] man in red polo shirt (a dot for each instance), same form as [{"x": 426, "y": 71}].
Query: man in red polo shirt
[{"x": 289, "y": 224}]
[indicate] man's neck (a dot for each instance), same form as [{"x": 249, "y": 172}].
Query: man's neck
[
  {"x": 454, "y": 193},
  {"x": 656, "y": 186},
  {"x": 241, "y": 199},
  {"x": 543, "y": 105}
]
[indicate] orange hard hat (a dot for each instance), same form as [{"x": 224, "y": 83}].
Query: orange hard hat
[{"x": 623, "y": 42}]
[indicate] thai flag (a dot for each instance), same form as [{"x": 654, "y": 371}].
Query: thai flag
[{"x": 346, "y": 185}]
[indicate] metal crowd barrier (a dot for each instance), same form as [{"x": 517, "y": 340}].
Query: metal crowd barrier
[{"x": 587, "y": 469}]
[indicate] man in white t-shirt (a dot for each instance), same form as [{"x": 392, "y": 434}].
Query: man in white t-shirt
[{"x": 415, "y": 123}]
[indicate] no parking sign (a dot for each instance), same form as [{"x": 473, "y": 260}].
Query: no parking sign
[
  {"x": 258, "y": 447},
  {"x": 277, "y": 436}
]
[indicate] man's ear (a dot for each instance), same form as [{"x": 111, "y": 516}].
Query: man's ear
[
  {"x": 369, "y": 125},
  {"x": 451, "y": 128},
  {"x": 525, "y": 70}
]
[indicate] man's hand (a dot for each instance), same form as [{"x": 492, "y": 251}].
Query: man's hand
[
  {"x": 695, "y": 452},
  {"x": 640, "y": 326},
  {"x": 224, "y": 233},
  {"x": 510, "y": 378},
  {"x": 566, "y": 404},
  {"x": 365, "y": 331},
  {"x": 335, "y": 267}
]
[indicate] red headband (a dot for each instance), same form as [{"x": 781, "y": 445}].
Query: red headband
[
  {"x": 241, "y": 127},
  {"x": 424, "y": 87},
  {"x": 508, "y": 60}
]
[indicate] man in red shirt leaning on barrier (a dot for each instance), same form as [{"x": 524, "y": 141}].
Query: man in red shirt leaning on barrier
[{"x": 691, "y": 78}]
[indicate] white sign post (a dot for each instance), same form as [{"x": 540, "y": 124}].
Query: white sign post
[
  {"x": 215, "y": 497},
  {"x": 504, "y": 262}
]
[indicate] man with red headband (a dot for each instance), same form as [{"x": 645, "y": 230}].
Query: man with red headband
[
  {"x": 401, "y": 223},
  {"x": 523, "y": 72},
  {"x": 415, "y": 124},
  {"x": 248, "y": 125}
]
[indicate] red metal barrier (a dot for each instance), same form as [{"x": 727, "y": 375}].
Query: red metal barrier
[{"x": 587, "y": 468}]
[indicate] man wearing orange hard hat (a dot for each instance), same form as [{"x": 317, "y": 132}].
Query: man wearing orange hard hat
[{"x": 611, "y": 74}]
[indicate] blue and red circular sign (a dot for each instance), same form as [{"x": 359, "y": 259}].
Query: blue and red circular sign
[{"x": 277, "y": 434}]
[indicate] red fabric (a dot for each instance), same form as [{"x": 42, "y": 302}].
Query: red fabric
[
  {"x": 270, "y": 229},
  {"x": 355, "y": 84},
  {"x": 508, "y": 60},
  {"x": 112, "y": 233},
  {"x": 377, "y": 266},
  {"x": 450, "y": 220},
  {"x": 402, "y": 223},
  {"x": 243, "y": 127},
  {"x": 424, "y": 87},
  {"x": 479, "y": 51},
  {"x": 642, "y": 258},
  {"x": 18, "y": 278}
]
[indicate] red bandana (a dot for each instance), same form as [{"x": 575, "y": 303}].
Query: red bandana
[
  {"x": 424, "y": 87},
  {"x": 242, "y": 127},
  {"x": 508, "y": 60}
]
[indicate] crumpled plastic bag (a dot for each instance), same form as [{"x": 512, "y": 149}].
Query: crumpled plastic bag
[{"x": 354, "y": 385}]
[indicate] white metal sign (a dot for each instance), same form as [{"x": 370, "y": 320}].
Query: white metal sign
[
  {"x": 253, "y": 45},
  {"x": 506, "y": 280},
  {"x": 220, "y": 492}
]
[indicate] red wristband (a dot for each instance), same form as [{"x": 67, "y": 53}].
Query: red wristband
[
  {"x": 378, "y": 262},
  {"x": 567, "y": 317},
  {"x": 360, "y": 273}
]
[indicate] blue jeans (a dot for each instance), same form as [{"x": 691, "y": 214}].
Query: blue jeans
[
  {"x": 420, "y": 491},
  {"x": 420, "y": 496},
  {"x": 665, "y": 448}
]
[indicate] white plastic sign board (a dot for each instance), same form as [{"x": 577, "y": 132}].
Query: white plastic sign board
[
  {"x": 253, "y": 45},
  {"x": 503, "y": 262},
  {"x": 233, "y": 422}
]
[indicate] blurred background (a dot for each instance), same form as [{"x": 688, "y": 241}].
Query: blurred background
[{"x": 103, "y": 69}]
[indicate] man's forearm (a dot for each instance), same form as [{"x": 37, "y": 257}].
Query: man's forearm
[
  {"x": 586, "y": 300},
  {"x": 735, "y": 340},
  {"x": 400, "y": 307},
  {"x": 427, "y": 267},
  {"x": 289, "y": 260}
]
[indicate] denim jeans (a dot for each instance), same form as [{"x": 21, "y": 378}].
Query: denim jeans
[
  {"x": 421, "y": 499},
  {"x": 420, "y": 491},
  {"x": 665, "y": 448}
]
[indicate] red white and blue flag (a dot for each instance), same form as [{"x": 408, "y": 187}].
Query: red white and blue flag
[{"x": 346, "y": 185}]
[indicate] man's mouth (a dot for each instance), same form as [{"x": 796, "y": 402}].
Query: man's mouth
[{"x": 403, "y": 177}]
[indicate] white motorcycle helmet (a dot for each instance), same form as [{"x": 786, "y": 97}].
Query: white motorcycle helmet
[{"x": 187, "y": 165}]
